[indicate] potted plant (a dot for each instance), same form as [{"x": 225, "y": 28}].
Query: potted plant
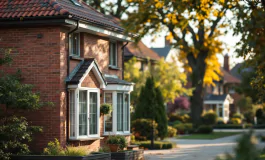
[
  {"x": 116, "y": 143},
  {"x": 105, "y": 108}
]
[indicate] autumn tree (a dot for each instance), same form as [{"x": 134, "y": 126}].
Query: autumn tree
[
  {"x": 194, "y": 28},
  {"x": 250, "y": 25}
]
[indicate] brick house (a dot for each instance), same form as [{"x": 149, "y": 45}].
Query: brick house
[
  {"x": 222, "y": 98},
  {"x": 73, "y": 55}
]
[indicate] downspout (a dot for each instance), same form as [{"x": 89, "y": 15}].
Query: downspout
[
  {"x": 123, "y": 58},
  {"x": 66, "y": 87}
]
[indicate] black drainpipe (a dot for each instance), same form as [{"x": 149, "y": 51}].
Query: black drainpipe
[
  {"x": 67, "y": 76},
  {"x": 123, "y": 58}
]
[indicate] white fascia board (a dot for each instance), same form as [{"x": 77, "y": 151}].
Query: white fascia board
[
  {"x": 117, "y": 87},
  {"x": 213, "y": 102},
  {"x": 98, "y": 31}
]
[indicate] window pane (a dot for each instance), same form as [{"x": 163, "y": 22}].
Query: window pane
[
  {"x": 119, "y": 112},
  {"x": 82, "y": 113},
  {"x": 93, "y": 113},
  {"x": 110, "y": 54},
  {"x": 72, "y": 113},
  {"x": 108, "y": 118},
  {"x": 76, "y": 43},
  {"x": 126, "y": 112}
]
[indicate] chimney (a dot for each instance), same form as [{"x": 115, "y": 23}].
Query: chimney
[
  {"x": 167, "y": 42},
  {"x": 226, "y": 63}
]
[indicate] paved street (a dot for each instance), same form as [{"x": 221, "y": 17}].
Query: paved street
[{"x": 195, "y": 149}]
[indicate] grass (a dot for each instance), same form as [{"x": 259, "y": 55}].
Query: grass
[
  {"x": 262, "y": 157},
  {"x": 211, "y": 136}
]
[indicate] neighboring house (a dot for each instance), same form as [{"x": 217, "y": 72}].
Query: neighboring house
[
  {"x": 142, "y": 53},
  {"x": 72, "y": 54},
  {"x": 169, "y": 54},
  {"x": 222, "y": 98}
]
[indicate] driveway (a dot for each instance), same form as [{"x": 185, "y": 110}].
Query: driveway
[{"x": 195, "y": 149}]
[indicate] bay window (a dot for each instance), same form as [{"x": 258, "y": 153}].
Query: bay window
[
  {"x": 84, "y": 113},
  {"x": 117, "y": 122}
]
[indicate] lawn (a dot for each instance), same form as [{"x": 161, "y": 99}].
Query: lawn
[
  {"x": 262, "y": 157},
  {"x": 211, "y": 136}
]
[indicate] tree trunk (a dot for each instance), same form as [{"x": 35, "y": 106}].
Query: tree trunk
[{"x": 198, "y": 72}]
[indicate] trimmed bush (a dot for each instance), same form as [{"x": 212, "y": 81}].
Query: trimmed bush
[
  {"x": 184, "y": 128},
  {"x": 142, "y": 129},
  {"x": 220, "y": 121},
  {"x": 105, "y": 108},
  {"x": 232, "y": 126},
  {"x": 174, "y": 123},
  {"x": 185, "y": 118},
  {"x": 205, "y": 129},
  {"x": 239, "y": 116},
  {"x": 171, "y": 132},
  {"x": 157, "y": 144},
  {"x": 209, "y": 118},
  {"x": 117, "y": 139},
  {"x": 236, "y": 121}
]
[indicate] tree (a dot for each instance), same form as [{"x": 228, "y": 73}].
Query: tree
[
  {"x": 115, "y": 8},
  {"x": 200, "y": 21},
  {"x": 151, "y": 106},
  {"x": 166, "y": 76},
  {"x": 250, "y": 25},
  {"x": 15, "y": 132},
  {"x": 245, "y": 104},
  {"x": 179, "y": 103}
]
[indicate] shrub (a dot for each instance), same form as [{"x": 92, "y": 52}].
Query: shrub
[
  {"x": 105, "y": 108},
  {"x": 117, "y": 139},
  {"x": 249, "y": 117},
  {"x": 205, "y": 129},
  {"x": 76, "y": 151},
  {"x": 239, "y": 116},
  {"x": 157, "y": 144},
  {"x": 209, "y": 118},
  {"x": 184, "y": 128},
  {"x": 232, "y": 126},
  {"x": 54, "y": 148},
  {"x": 220, "y": 121},
  {"x": 181, "y": 118},
  {"x": 174, "y": 123},
  {"x": 142, "y": 129},
  {"x": 236, "y": 121},
  {"x": 171, "y": 132},
  {"x": 104, "y": 149}
]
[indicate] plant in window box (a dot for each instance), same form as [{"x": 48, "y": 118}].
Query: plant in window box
[
  {"x": 105, "y": 108},
  {"x": 116, "y": 143}
]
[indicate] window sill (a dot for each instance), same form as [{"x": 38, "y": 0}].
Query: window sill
[
  {"x": 114, "y": 67},
  {"x": 86, "y": 139},
  {"x": 74, "y": 57},
  {"x": 113, "y": 134}
]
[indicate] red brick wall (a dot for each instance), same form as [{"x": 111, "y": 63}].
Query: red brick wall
[
  {"x": 90, "y": 81},
  {"x": 39, "y": 60}
]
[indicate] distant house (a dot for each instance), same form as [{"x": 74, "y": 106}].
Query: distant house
[
  {"x": 142, "y": 53},
  {"x": 222, "y": 98}
]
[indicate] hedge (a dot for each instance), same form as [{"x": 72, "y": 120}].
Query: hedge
[
  {"x": 157, "y": 144},
  {"x": 232, "y": 126}
]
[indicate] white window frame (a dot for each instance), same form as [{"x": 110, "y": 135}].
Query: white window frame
[
  {"x": 88, "y": 136},
  {"x": 111, "y": 54},
  {"x": 71, "y": 49},
  {"x": 114, "y": 112}
]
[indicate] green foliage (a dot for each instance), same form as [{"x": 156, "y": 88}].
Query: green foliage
[
  {"x": 238, "y": 115},
  {"x": 157, "y": 144},
  {"x": 232, "y": 126},
  {"x": 205, "y": 129},
  {"x": 209, "y": 118},
  {"x": 220, "y": 121},
  {"x": 6, "y": 59},
  {"x": 184, "y": 128},
  {"x": 245, "y": 103},
  {"x": 246, "y": 148},
  {"x": 235, "y": 121},
  {"x": 15, "y": 133},
  {"x": 54, "y": 148},
  {"x": 151, "y": 106},
  {"x": 171, "y": 132},
  {"x": 117, "y": 139},
  {"x": 185, "y": 118},
  {"x": 105, "y": 108},
  {"x": 249, "y": 116},
  {"x": 142, "y": 129},
  {"x": 105, "y": 149}
]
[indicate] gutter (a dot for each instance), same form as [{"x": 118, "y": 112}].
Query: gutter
[
  {"x": 67, "y": 76},
  {"x": 123, "y": 58}
]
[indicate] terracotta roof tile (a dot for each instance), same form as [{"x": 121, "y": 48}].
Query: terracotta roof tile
[
  {"x": 229, "y": 78},
  {"x": 48, "y": 8},
  {"x": 140, "y": 50}
]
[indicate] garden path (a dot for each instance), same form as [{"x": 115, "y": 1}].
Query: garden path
[{"x": 195, "y": 149}]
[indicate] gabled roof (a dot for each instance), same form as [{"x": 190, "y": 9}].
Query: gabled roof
[
  {"x": 229, "y": 78},
  {"x": 111, "y": 80},
  {"x": 140, "y": 50},
  {"x": 212, "y": 97},
  {"x": 82, "y": 70},
  {"x": 162, "y": 52},
  {"x": 17, "y": 9}
]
